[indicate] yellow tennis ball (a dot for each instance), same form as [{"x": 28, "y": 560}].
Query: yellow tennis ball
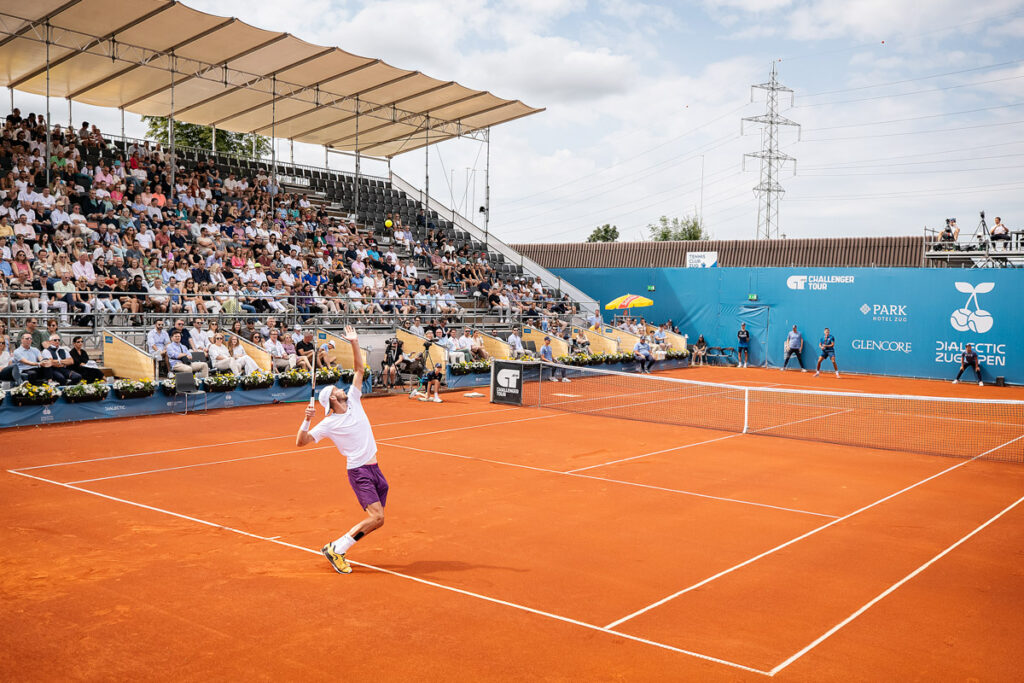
[{"x": 388, "y": 223}]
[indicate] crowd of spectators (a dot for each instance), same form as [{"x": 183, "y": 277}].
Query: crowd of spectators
[{"x": 118, "y": 238}]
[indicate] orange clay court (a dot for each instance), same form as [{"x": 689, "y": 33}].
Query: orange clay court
[{"x": 520, "y": 543}]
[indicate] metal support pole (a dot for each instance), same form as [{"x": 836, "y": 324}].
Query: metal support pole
[
  {"x": 47, "y": 159},
  {"x": 122, "y": 117},
  {"x": 291, "y": 151},
  {"x": 327, "y": 157},
  {"x": 170, "y": 133},
  {"x": 487, "y": 191},
  {"x": 358, "y": 165},
  {"x": 71, "y": 123},
  {"x": 213, "y": 140},
  {"x": 11, "y": 90},
  {"x": 273, "y": 144},
  {"x": 426, "y": 174}
]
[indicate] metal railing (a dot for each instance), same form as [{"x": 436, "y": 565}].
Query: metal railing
[
  {"x": 550, "y": 280},
  {"x": 18, "y": 306},
  {"x": 980, "y": 252}
]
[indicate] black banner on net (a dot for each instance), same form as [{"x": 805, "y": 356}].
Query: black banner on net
[{"x": 507, "y": 383}]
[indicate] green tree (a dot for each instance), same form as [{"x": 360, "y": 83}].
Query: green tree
[
  {"x": 677, "y": 229},
  {"x": 604, "y": 233},
  {"x": 199, "y": 137}
]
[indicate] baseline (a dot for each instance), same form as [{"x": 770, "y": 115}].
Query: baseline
[
  {"x": 240, "y": 441},
  {"x": 434, "y": 584}
]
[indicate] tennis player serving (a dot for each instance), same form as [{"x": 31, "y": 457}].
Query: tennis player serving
[{"x": 348, "y": 427}]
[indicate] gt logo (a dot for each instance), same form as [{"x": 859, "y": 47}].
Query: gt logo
[
  {"x": 509, "y": 379},
  {"x": 796, "y": 281}
]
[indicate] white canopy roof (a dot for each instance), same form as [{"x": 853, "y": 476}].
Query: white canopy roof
[{"x": 129, "y": 53}]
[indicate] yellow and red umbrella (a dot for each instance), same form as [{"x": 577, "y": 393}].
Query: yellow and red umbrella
[{"x": 627, "y": 301}]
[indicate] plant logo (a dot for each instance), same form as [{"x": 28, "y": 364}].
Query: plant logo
[{"x": 976, "y": 319}]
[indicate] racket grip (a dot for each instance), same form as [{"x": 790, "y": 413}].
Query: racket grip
[{"x": 312, "y": 402}]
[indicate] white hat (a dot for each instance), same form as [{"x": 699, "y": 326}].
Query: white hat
[{"x": 325, "y": 397}]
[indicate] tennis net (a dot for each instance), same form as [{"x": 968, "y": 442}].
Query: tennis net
[{"x": 954, "y": 427}]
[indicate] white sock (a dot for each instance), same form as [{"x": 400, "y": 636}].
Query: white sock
[{"x": 342, "y": 545}]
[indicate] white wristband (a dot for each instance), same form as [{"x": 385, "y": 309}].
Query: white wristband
[{"x": 305, "y": 426}]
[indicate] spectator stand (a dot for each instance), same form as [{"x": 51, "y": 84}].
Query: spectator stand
[
  {"x": 495, "y": 347},
  {"x": 342, "y": 351},
  {"x": 534, "y": 335},
  {"x": 599, "y": 342},
  {"x": 977, "y": 251},
  {"x": 126, "y": 360}
]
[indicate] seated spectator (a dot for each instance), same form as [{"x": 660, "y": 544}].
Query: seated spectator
[
  {"x": 515, "y": 343},
  {"x": 643, "y": 355},
  {"x": 179, "y": 357},
  {"x": 28, "y": 366},
  {"x": 81, "y": 363},
  {"x": 580, "y": 343},
  {"x": 61, "y": 361},
  {"x": 433, "y": 380},
  {"x": 700, "y": 351},
  {"x": 1000, "y": 233},
  {"x": 324, "y": 358},
  {"x": 305, "y": 349}
]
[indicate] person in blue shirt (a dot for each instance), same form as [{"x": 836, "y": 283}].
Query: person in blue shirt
[
  {"x": 643, "y": 355},
  {"x": 743, "y": 339},
  {"x": 827, "y": 343},
  {"x": 547, "y": 355},
  {"x": 794, "y": 347},
  {"x": 179, "y": 358}
]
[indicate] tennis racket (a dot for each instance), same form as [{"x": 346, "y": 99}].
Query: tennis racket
[{"x": 312, "y": 378}]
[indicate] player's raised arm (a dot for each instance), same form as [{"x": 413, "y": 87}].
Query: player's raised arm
[
  {"x": 357, "y": 355},
  {"x": 302, "y": 437}
]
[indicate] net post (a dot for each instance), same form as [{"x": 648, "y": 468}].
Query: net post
[{"x": 746, "y": 410}]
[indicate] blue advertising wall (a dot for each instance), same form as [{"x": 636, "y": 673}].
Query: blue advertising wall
[
  {"x": 911, "y": 322},
  {"x": 111, "y": 407}
]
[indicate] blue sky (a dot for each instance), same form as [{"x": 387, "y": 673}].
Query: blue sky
[{"x": 637, "y": 92}]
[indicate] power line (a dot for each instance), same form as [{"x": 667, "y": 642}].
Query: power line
[
  {"x": 913, "y": 92},
  {"x": 918, "y": 132},
  {"x": 919, "y": 118},
  {"x": 922, "y": 154},
  {"x": 619, "y": 163},
  {"x": 939, "y": 170},
  {"x": 940, "y": 191},
  {"x": 914, "y": 80}
]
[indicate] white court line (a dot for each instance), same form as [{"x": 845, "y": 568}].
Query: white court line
[
  {"x": 795, "y": 422},
  {"x": 700, "y": 443},
  {"x": 646, "y": 455},
  {"x": 200, "y": 464},
  {"x": 615, "y": 481},
  {"x": 810, "y": 533},
  {"x": 817, "y": 641},
  {"x": 426, "y": 582},
  {"x": 233, "y": 443}
]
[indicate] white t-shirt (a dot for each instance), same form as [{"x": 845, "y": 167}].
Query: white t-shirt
[{"x": 350, "y": 431}]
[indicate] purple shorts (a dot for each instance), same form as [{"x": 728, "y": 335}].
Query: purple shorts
[{"x": 369, "y": 484}]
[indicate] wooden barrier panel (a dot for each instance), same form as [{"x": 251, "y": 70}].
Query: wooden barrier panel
[
  {"x": 125, "y": 359},
  {"x": 413, "y": 344},
  {"x": 559, "y": 346},
  {"x": 257, "y": 353},
  {"x": 497, "y": 348},
  {"x": 627, "y": 340},
  {"x": 598, "y": 342},
  {"x": 342, "y": 351}
]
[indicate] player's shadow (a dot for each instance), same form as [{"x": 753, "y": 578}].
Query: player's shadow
[{"x": 428, "y": 567}]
